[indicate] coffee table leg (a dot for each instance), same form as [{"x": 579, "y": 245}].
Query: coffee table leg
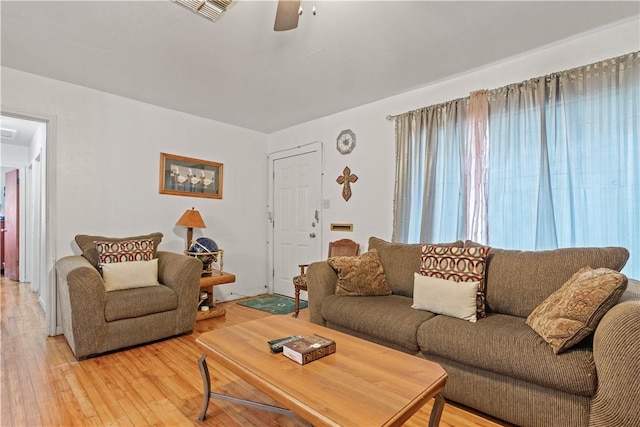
[
  {"x": 436, "y": 411},
  {"x": 207, "y": 394},
  {"x": 206, "y": 385}
]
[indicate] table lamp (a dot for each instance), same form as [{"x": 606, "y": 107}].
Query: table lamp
[{"x": 191, "y": 218}]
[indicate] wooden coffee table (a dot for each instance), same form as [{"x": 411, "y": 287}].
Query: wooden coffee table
[{"x": 362, "y": 384}]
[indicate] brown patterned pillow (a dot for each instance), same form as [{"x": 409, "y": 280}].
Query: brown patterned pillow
[
  {"x": 87, "y": 245},
  {"x": 572, "y": 313},
  {"x": 360, "y": 275},
  {"x": 128, "y": 250},
  {"x": 457, "y": 265}
]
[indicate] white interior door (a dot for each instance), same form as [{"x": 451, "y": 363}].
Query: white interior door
[{"x": 295, "y": 216}]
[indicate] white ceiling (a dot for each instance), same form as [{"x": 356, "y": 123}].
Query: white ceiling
[
  {"x": 239, "y": 71},
  {"x": 25, "y": 130}
]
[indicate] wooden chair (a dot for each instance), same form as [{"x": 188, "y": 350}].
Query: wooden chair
[{"x": 342, "y": 247}]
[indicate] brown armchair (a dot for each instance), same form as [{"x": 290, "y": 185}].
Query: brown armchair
[
  {"x": 342, "y": 247},
  {"x": 96, "y": 320}
]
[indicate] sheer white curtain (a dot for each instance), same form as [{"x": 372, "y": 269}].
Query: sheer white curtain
[
  {"x": 563, "y": 165},
  {"x": 520, "y": 208}
]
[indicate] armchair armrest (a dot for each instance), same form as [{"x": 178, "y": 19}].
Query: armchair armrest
[
  {"x": 81, "y": 298},
  {"x": 616, "y": 350},
  {"x": 182, "y": 274},
  {"x": 321, "y": 282}
]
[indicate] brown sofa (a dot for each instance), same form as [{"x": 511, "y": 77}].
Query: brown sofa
[
  {"x": 95, "y": 321},
  {"x": 499, "y": 365}
]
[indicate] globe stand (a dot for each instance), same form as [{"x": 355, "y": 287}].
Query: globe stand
[{"x": 214, "y": 257}]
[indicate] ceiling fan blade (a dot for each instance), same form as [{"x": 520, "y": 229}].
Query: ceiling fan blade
[{"x": 287, "y": 15}]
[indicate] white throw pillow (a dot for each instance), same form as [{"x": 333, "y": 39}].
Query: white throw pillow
[
  {"x": 440, "y": 296},
  {"x": 130, "y": 274}
]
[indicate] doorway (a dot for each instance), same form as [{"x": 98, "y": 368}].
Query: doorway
[
  {"x": 27, "y": 147},
  {"x": 295, "y": 192},
  {"x": 11, "y": 213}
]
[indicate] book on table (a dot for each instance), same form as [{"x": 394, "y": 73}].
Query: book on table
[{"x": 308, "y": 348}]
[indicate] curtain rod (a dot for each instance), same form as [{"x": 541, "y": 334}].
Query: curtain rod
[
  {"x": 613, "y": 60},
  {"x": 417, "y": 110}
]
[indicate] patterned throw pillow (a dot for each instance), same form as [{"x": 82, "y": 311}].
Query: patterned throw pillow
[
  {"x": 457, "y": 265},
  {"x": 87, "y": 245},
  {"x": 123, "y": 251},
  {"x": 360, "y": 275},
  {"x": 572, "y": 312}
]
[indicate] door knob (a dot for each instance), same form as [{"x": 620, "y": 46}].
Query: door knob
[{"x": 312, "y": 235}]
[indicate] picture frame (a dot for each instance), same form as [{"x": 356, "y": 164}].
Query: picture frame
[{"x": 187, "y": 176}]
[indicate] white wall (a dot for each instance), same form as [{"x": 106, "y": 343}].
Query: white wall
[
  {"x": 370, "y": 208},
  {"x": 107, "y": 171}
]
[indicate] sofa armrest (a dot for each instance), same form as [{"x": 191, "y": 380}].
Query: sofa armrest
[
  {"x": 182, "y": 274},
  {"x": 321, "y": 282},
  {"x": 81, "y": 300},
  {"x": 616, "y": 352}
]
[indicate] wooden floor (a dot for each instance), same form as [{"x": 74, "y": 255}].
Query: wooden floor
[{"x": 157, "y": 384}]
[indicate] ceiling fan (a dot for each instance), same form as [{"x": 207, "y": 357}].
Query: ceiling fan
[{"x": 287, "y": 13}]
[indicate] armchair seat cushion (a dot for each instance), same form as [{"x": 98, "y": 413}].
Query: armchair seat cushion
[{"x": 129, "y": 303}]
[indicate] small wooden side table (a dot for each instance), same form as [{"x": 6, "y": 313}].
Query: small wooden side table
[{"x": 206, "y": 284}]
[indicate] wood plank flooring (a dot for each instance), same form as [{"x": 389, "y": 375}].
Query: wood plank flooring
[{"x": 157, "y": 384}]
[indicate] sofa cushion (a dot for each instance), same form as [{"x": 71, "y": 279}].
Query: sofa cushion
[
  {"x": 132, "y": 274},
  {"x": 389, "y": 318},
  {"x": 440, "y": 296},
  {"x": 572, "y": 312},
  {"x": 87, "y": 245},
  {"x": 518, "y": 281},
  {"x": 458, "y": 265},
  {"x": 505, "y": 345},
  {"x": 360, "y": 275},
  {"x": 400, "y": 261},
  {"x": 139, "y": 302}
]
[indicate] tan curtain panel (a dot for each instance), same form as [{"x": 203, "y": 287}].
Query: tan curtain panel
[{"x": 430, "y": 141}]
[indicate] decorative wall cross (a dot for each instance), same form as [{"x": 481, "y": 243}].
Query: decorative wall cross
[{"x": 345, "y": 179}]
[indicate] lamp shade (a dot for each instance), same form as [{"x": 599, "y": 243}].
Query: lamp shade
[{"x": 191, "y": 218}]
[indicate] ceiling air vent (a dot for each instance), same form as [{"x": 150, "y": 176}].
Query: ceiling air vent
[
  {"x": 8, "y": 133},
  {"x": 210, "y": 9}
]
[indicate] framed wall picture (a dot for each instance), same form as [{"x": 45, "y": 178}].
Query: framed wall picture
[{"x": 185, "y": 176}]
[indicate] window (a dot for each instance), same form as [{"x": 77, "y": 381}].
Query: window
[{"x": 563, "y": 165}]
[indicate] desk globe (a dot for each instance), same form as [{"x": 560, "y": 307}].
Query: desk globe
[{"x": 204, "y": 246}]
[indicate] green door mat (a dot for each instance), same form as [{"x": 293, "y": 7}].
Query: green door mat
[{"x": 274, "y": 304}]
